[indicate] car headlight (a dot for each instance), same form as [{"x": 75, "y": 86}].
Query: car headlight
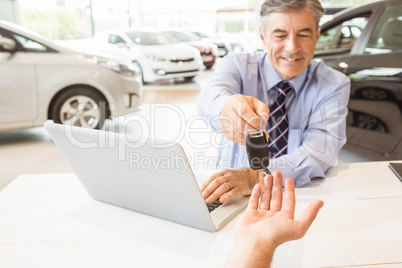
[
  {"x": 114, "y": 65},
  {"x": 129, "y": 70},
  {"x": 154, "y": 57}
]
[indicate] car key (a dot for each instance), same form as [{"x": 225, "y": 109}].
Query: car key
[{"x": 258, "y": 153}]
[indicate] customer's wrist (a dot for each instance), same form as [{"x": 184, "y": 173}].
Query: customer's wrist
[{"x": 252, "y": 252}]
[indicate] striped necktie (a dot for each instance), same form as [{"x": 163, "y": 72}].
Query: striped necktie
[{"x": 278, "y": 124}]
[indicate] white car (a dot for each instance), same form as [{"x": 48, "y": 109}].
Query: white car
[
  {"x": 156, "y": 54},
  {"x": 40, "y": 80}
]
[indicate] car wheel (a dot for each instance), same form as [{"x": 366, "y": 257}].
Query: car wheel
[
  {"x": 366, "y": 121},
  {"x": 373, "y": 94},
  {"x": 80, "y": 106},
  {"x": 140, "y": 72}
]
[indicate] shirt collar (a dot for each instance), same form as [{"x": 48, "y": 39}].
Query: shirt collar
[{"x": 273, "y": 78}]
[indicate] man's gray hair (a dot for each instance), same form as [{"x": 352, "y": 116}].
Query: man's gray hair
[{"x": 313, "y": 6}]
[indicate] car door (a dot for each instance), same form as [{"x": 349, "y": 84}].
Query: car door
[
  {"x": 18, "y": 85},
  {"x": 375, "y": 117}
]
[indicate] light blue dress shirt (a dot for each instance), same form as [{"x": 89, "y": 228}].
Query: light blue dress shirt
[{"x": 317, "y": 110}]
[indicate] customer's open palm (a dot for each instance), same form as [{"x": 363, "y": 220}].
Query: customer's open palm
[{"x": 272, "y": 220}]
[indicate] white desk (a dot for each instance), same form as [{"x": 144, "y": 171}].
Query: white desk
[{"x": 48, "y": 220}]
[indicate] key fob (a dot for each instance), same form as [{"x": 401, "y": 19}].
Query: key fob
[{"x": 257, "y": 150}]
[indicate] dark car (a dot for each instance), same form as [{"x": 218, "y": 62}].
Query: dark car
[
  {"x": 208, "y": 51},
  {"x": 373, "y": 61}
]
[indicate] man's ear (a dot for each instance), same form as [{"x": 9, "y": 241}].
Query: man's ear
[{"x": 262, "y": 36}]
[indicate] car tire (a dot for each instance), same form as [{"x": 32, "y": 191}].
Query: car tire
[
  {"x": 366, "y": 121},
  {"x": 80, "y": 106}
]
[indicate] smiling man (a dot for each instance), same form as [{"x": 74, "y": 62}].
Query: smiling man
[{"x": 303, "y": 102}]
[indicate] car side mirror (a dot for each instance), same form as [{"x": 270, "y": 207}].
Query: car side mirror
[{"x": 7, "y": 43}]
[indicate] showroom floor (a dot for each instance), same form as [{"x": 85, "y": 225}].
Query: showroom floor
[{"x": 165, "y": 106}]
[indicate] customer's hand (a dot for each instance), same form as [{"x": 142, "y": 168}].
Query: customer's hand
[
  {"x": 240, "y": 116},
  {"x": 265, "y": 226},
  {"x": 274, "y": 220},
  {"x": 231, "y": 182}
]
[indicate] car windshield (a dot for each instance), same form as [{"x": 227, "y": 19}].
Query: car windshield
[
  {"x": 30, "y": 45},
  {"x": 184, "y": 37},
  {"x": 151, "y": 38},
  {"x": 387, "y": 35}
]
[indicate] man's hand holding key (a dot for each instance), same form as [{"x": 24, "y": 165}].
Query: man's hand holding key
[
  {"x": 240, "y": 116},
  {"x": 258, "y": 153}
]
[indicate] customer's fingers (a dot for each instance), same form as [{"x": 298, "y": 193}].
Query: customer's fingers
[
  {"x": 307, "y": 217},
  {"x": 289, "y": 200},
  {"x": 255, "y": 197},
  {"x": 276, "y": 195},
  {"x": 266, "y": 195}
]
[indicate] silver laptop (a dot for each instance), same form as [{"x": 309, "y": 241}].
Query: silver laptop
[{"x": 140, "y": 175}]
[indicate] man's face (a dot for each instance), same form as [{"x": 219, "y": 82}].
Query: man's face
[{"x": 290, "y": 41}]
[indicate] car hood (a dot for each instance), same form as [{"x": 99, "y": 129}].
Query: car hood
[
  {"x": 93, "y": 48},
  {"x": 171, "y": 51}
]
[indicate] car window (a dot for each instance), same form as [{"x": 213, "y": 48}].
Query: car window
[
  {"x": 387, "y": 35},
  {"x": 341, "y": 38},
  {"x": 116, "y": 39},
  {"x": 30, "y": 45},
  {"x": 329, "y": 35}
]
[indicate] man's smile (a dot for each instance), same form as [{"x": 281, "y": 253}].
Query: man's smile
[{"x": 291, "y": 59}]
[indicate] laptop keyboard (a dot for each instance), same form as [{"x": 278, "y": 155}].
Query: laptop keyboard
[{"x": 213, "y": 206}]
